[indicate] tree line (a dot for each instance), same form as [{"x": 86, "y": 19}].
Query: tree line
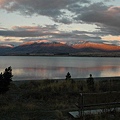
[
  {"x": 90, "y": 81},
  {"x": 6, "y": 78}
]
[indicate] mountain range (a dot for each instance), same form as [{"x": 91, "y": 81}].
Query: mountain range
[{"x": 45, "y": 47}]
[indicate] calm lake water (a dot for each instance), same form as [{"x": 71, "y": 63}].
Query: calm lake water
[{"x": 38, "y": 67}]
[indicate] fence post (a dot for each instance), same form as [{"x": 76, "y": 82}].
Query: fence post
[{"x": 81, "y": 112}]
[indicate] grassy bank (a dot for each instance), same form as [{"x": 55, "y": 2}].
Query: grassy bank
[{"x": 51, "y": 99}]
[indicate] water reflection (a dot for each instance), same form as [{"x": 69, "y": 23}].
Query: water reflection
[
  {"x": 60, "y": 72},
  {"x": 29, "y": 67},
  {"x": 111, "y": 72}
]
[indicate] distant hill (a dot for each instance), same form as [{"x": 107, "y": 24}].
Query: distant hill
[
  {"x": 42, "y": 48},
  {"x": 96, "y": 47},
  {"x": 4, "y": 49},
  {"x": 46, "y": 47}
]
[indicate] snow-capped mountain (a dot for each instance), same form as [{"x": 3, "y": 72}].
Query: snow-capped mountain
[
  {"x": 52, "y": 47},
  {"x": 33, "y": 42},
  {"x": 100, "y": 46}
]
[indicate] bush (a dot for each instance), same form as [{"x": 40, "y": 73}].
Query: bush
[{"x": 59, "y": 115}]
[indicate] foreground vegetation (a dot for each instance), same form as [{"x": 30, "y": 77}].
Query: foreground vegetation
[{"x": 52, "y": 100}]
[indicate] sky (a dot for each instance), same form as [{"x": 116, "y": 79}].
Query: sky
[{"x": 59, "y": 20}]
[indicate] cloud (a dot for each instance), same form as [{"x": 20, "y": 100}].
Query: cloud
[
  {"x": 10, "y": 40},
  {"x": 106, "y": 18},
  {"x": 92, "y": 13},
  {"x": 54, "y": 9},
  {"x": 28, "y": 31},
  {"x": 108, "y": 0},
  {"x": 63, "y": 11},
  {"x": 112, "y": 38},
  {"x": 63, "y": 20},
  {"x": 44, "y": 7},
  {"x": 11, "y": 33},
  {"x": 67, "y": 11},
  {"x": 48, "y": 32}
]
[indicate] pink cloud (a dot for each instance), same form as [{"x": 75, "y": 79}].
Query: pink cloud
[{"x": 114, "y": 10}]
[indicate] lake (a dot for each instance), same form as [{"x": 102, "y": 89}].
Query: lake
[{"x": 44, "y": 67}]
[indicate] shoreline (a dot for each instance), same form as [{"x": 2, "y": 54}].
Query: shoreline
[
  {"x": 78, "y": 54},
  {"x": 76, "y": 79},
  {"x": 89, "y": 55}
]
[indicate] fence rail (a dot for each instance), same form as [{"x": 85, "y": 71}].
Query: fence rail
[{"x": 85, "y": 109}]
